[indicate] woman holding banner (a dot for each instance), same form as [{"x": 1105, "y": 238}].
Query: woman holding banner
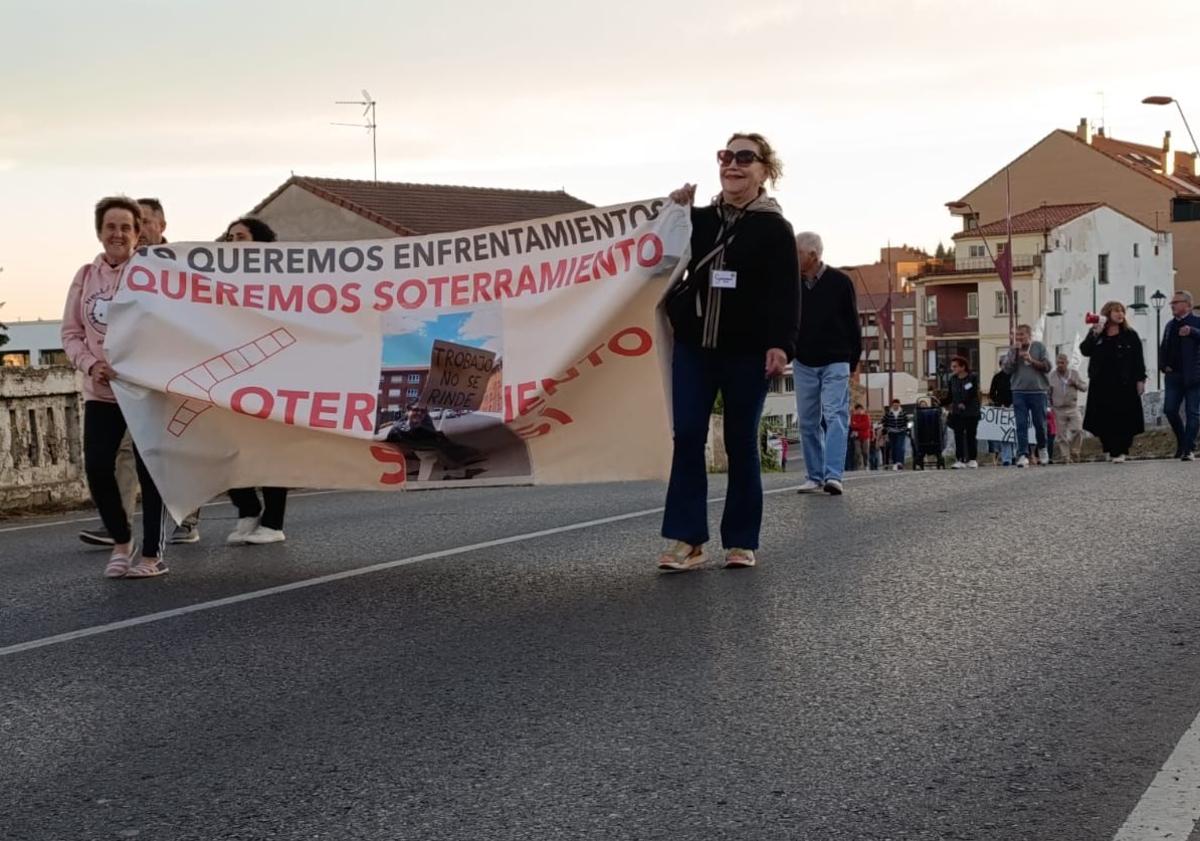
[
  {"x": 1117, "y": 371},
  {"x": 734, "y": 314},
  {"x": 258, "y": 521},
  {"x": 84, "y": 327}
]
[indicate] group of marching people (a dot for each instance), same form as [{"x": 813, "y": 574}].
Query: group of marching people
[{"x": 114, "y": 467}]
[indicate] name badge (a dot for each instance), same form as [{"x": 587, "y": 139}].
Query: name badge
[
  {"x": 724, "y": 279},
  {"x": 968, "y": 386}
]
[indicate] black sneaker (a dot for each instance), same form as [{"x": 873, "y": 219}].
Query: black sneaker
[{"x": 96, "y": 537}]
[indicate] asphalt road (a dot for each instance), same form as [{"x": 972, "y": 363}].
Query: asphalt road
[{"x": 997, "y": 654}]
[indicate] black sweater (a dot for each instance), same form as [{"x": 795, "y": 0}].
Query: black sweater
[
  {"x": 829, "y": 327},
  {"x": 963, "y": 398},
  {"x": 763, "y": 311}
]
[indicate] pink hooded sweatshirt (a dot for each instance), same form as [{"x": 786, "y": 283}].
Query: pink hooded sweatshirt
[{"x": 85, "y": 321}]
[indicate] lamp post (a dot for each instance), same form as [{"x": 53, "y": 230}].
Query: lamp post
[
  {"x": 1158, "y": 299},
  {"x": 1167, "y": 100}
]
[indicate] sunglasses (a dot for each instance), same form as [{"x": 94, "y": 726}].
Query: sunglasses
[{"x": 744, "y": 157}]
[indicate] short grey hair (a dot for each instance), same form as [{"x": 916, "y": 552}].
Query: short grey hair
[
  {"x": 1187, "y": 296},
  {"x": 808, "y": 241}
]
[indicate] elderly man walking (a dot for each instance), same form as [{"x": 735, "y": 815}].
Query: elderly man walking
[
  {"x": 827, "y": 353},
  {"x": 1179, "y": 359},
  {"x": 1065, "y": 387}
]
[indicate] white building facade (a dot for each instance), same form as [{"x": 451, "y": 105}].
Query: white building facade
[{"x": 33, "y": 344}]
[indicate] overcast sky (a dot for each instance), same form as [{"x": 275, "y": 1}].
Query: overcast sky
[{"x": 882, "y": 110}]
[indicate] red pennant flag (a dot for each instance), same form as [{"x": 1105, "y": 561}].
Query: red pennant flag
[
  {"x": 884, "y": 316},
  {"x": 1004, "y": 268}
]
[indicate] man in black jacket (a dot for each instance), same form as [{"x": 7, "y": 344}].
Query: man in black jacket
[
  {"x": 1179, "y": 360},
  {"x": 827, "y": 352}
]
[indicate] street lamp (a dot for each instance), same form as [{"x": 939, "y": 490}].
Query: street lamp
[
  {"x": 1158, "y": 299},
  {"x": 1167, "y": 100}
]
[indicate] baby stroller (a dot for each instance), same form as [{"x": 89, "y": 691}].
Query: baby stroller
[{"x": 928, "y": 437}]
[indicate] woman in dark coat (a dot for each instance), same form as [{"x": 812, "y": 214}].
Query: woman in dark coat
[
  {"x": 1117, "y": 371},
  {"x": 963, "y": 401}
]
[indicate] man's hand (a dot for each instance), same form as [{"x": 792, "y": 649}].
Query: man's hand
[
  {"x": 101, "y": 373},
  {"x": 685, "y": 195},
  {"x": 776, "y": 362},
  {"x": 1185, "y": 330},
  {"x": 1026, "y": 358},
  {"x": 1141, "y": 388}
]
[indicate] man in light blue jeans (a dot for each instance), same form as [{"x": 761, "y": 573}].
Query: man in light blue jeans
[
  {"x": 827, "y": 352},
  {"x": 1027, "y": 363}
]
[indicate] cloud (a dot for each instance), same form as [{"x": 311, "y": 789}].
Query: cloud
[{"x": 486, "y": 325}]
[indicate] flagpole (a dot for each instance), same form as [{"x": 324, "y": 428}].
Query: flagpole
[
  {"x": 891, "y": 338},
  {"x": 1012, "y": 309}
]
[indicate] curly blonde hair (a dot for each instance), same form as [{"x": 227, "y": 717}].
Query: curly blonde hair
[{"x": 771, "y": 161}]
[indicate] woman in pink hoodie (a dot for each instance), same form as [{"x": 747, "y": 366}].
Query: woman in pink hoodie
[{"x": 85, "y": 323}]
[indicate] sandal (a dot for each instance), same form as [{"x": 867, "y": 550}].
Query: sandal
[
  {"x": 739, "y": 559},
  {"x": 148, "y": 568},
  {"x": 118, "y": 563},
  {"x": 681, "y": 557}
]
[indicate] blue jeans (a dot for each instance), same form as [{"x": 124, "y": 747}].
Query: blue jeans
[
  {"x": 1026, "y": 403},
  {"x": 896, "y": 443},
  {"x": 1187, "y": 397},
  {"x": 823, "y": 394},
  {"x": 696, "y": 376}
]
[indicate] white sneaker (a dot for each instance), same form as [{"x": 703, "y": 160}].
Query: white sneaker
[
  {"x": 833, "y": 487},
  {"x": 895, "y": 467},
  {"x": 973, "y": 464},
  {"x": 1023, "y": 461},
  {"x": 245, "y": 525},
  {"x": 958, "y": 465},
  {"x": 1118, "y": 460},
  {"x": 810, "y": 487},
  {"x": 1188, "y": 457},
  {"x": 1043, "y": 456},
  {"x": 262, "y": 535}
]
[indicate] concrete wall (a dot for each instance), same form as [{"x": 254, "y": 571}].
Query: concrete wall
[
  {"x": 41, "y": 438},
  {"x": 299, "y": 216}
]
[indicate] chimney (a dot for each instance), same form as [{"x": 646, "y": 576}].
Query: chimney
[
  {"x": 1168, "y": 155},
  {"x": 1084, "y": 132}
]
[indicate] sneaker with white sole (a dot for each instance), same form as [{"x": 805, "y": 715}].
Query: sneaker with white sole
[
  {"x": 186, "y": 533},
  {"x": 809, "y": 487},
  {"x": 1043, "y": 456},
  {"x": 973, "y": 464},
  {"x": 245, "y": 525},
  {"x": 1118, "y": 459},
  {"x": 833, "y": 487},
  {"x": 958, "y": 465},
  {"x": 1023, "y": 461},
  {"x": 1188, "y": 457},
  {"x": 263, "y": 535}
]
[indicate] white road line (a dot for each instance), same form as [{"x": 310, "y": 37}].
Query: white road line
[
  {"x": 47, "y": 525},
  {"x": 95, "y": 630},
  {"x": 1170, "y": 807}
]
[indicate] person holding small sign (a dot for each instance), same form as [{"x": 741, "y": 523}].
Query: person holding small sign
[
  {"x": 1117, "y": 375},
  {"x": 734, "y": 315}
]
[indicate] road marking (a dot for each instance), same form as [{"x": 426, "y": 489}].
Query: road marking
[
  {"x": 1170, "y": 807},
  {"x": 96, "y": 630},
  {"x": 97, "y": 519}
]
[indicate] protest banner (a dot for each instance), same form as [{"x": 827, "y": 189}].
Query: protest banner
[
  {"x": 999, "y": 423},
  {"x": 526, "y": 352}
]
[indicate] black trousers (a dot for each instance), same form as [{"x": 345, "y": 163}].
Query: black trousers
[
  {"x": 966, "y": 444},
  {"x": 103, "y": 428},
  {"x": 272, "y": 506},
  {"x": 1116, "y": 445}
]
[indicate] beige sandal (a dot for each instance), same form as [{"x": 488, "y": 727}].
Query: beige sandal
[
  {"x": 739, "y": 559},
  {"x": 118, "y": 563},
  {"x": 681, "y": 557}
]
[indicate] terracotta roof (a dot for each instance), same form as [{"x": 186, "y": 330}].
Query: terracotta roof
[
  {"x": 1044, "y": 218},
  {"x": 432, "y": 208},
  {"x": 1147, "y": 160}
]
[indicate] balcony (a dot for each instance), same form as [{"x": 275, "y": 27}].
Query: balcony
[{"x": 980, "y": 265}]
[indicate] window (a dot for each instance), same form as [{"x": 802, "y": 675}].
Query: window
[
  {"x": 1156, "y": 251},
  {"x": 1102, "y": 269},
  {"x": 908, "y": 343},
  {"x": 1185, "y": 210},
  {"x": 16, "y": 359},
  {"x": 972, "y": 305},
  {"x": 1002, "y": 302},
  {"x": 970, "y": 221},
  {"x": 908, "y": 319},
  {"x": 53, "y": 357},
  {"x": 414, "y": 378},
  {"x": 1135, "y": 250},
  {"x": 931, "y": 309},
  {"x": 789, "y": 384},
  {"x": 1139, "y": 295},
  {"x": 1058, "y": 295},
  {"x": 412, "y": 393},
  {"x": 908, "y": 368},
  {"x": 977, "y": 251}
]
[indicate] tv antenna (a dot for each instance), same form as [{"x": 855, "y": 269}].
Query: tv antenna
[{"x": 369, "y": 114}]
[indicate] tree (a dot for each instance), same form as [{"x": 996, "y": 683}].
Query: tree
[{"x": 941, "y": 252}]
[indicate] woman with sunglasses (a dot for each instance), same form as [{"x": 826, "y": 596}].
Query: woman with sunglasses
[
  {"x": 735, "y": 315},
  {"x": 258, "y": 521}
]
